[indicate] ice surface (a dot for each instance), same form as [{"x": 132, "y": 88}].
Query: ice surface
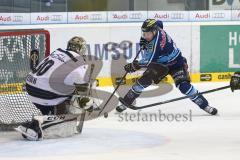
[{"x": 205, "y": 137}]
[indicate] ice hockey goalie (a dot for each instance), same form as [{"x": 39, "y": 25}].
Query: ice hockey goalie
[{"x": 51, "y": 86}]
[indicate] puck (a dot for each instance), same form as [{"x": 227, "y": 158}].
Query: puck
[{"x": 105, "y": 115}]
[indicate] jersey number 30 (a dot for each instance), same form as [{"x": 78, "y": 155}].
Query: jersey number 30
[{"x": 44, "y": 67}]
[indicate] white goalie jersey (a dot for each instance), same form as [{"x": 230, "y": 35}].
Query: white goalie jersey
[{"x": 52, "y": 82}]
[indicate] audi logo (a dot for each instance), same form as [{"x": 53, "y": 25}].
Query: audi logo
[
  {"x": 17, "y": 18},
  {"x": 56, "y": 17},
  {"x": 135, "y": 16},
  {"x": 95, "y": 16},
  {"x": 177, "y": 16},
  {"x": 218, "y": 15}
]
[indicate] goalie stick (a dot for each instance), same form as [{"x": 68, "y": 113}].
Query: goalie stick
[
  {"x": 82, "y": 116},
  {"x": 177, "y": 99},
  {"x": 121, "y": 80}
]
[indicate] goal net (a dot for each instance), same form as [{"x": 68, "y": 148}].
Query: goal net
[{"x": 15, "y": 48}]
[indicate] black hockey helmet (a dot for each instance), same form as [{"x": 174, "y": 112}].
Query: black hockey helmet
[{"x": 149, "y": 25}]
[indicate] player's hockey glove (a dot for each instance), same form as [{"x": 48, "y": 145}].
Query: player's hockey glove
[
  {"x": 132, "y": 67},
  {"x": 143, "y": 43},
  {"x": 235, "y": 81}
]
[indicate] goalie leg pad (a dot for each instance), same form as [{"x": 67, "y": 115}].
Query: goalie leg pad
[
  {"x": 50, "y": 126},
  {"x": 46, "y": 110},
  {"x": 59, "y": 126},
  {"x": 60, "y": 130}
]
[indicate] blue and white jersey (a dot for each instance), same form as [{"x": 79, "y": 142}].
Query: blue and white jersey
[{"x": 161, "y": 50}]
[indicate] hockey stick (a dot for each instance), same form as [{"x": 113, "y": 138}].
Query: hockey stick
[
  {"x": 121, "y": 80},
  {"x": 177, "y": 99},
  {"x": 82, "y": 116}
]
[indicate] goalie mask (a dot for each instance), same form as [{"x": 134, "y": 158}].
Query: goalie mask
[{"x": 78, "y": 45}]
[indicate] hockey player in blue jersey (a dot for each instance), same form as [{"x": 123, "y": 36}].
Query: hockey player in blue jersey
[{"x": 162, "y": 57}]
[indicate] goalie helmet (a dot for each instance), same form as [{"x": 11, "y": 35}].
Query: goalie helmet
[{"x": 77, "y": 44}]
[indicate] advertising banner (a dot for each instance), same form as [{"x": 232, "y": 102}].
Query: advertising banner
[
  {"x": 81, "y": 17},
  {"x": 210, "y": 15},
  {"x": 49, "y": 18},
  {"x": 220, "y": 48},
  {"x": 127, "y": 16},
  {"x": 14, "y": 18},
  {"x": 169, "y": 15}
]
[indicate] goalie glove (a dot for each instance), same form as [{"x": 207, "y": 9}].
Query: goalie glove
[
  {"x": 88, "y": 104},
  {"x": 132, "y": 67},
  {"x": 235, "y": 81}
]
